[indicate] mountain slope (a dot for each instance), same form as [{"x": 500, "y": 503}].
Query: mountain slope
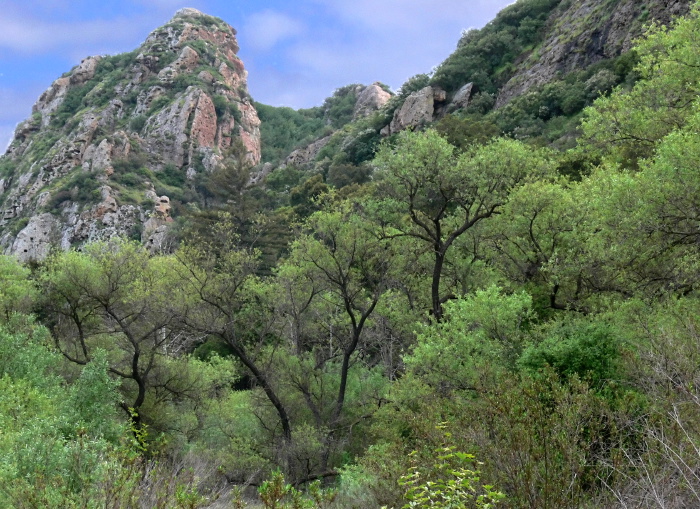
[{"x": 108, "y": 140}]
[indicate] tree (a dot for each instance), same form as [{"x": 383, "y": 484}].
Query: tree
[
  {"x": 220, "y": 275},
  {"x": 435, "y": 196},
  {"x": 115, "y": 296},
  {"x": 349, "y": 264},
  {"x": 345, "y": 266},
  {"x": 17, "y": 290},
  {"x": 629, "y": 125},
  {"x": 535, "y": 240}
]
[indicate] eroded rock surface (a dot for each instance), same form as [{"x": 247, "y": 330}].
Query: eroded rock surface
[
  {"x": 418, "y": 109},
  {"x": 589, "y": 34},
  {"x": 370, "y": 99},
  {"x": 78, "y": 165}
]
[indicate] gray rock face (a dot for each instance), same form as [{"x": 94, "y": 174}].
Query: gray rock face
[
  {"x": 35, "y": 240},
  {"x": 50, "y": 100},
  {"x": 159, "y": 110},
  {"x": 418, "y": 109},
  {"x": 591, "y": 33},
  {"x": 462, "y": 97},
  {"x": 306, "y": 155},
  {"x": 371, "y": 99}
]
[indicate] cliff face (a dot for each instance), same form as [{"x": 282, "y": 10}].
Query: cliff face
[
  {"x": 110, "y": 139},
  {"x": 583, "y": 32}
]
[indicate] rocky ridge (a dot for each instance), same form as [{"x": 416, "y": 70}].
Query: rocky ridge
[
  {"x": 581, "y": 33},
  {"x": 108, "y": 141}
]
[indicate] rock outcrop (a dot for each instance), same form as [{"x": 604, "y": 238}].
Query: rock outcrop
[
  {"x": 107, "y": 135},
  {"x": 306, "y": 155},
  {"x": 370, "y": 99},
  {"x": 462, "y": 98},
  {"x": 418, "y": 109},
  {"x": 586, "y": 33}
]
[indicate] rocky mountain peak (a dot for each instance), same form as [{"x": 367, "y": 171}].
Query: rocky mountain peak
[
  {"x": 115, "y": 131},
  {"x": 188, "y": 12}
]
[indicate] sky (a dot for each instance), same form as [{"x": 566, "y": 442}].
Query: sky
[{"x": 297, "y": 53}]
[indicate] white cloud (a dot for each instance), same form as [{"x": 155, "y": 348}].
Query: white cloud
[
  {"x": 27, "y": 35},
  {"x": 413, "y": 15},
  {"x": 263, "y": 30},
  {"x": 396, "y": 39}
]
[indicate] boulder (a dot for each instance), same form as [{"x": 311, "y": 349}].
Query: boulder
[
  {"x": 305, "y": 155},
  {"x": 418, "y": 109},
  {"x": 462, "y": 97},
  {"x": 35, "y": 240},
  {"x": 370, "y": 99}
]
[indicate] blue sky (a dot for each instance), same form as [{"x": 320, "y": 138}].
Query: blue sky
[{"x": 296, "y": 53}]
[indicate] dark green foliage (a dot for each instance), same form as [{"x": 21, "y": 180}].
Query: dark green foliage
[
  {"x": 58, "y": 198},
  {"x": 413, "y": 84},
  {"x": 235, "y": 112},
  {"x": 341, "y": 175},
  {"x": 132, "y": 171},
  {"x": 526, "y": 115},
  {"x": 212, "y": 347},
  {"x": 137, "y": 123},
  {"x": 465, "y": 132},
  {"x": 72, "y": 103},
  {"x": 7, "y": 167},
  {"x": 338, "y": 108},
  {"x": 481, "y": 54},
  {"x": 220, "y": 105},
  {"x": 203, "y": 48},
  {"x": 283, "y": 129},
  {"x": 171, "y": 175},
  {"x": 158, "y": 104},
  {"x": 82, "y": 187},
  {"x": 185, "y": 80},
  {"x": 118, "y": 62},
  {"x": 18, "y": 225},
  {"x": 283, "y": 179},
  {"x": 303, "y": 197},
  {"x": 362, "y": 146},
  {"x": 97, "y": 91},
  {"x": 587, "y": 349}
]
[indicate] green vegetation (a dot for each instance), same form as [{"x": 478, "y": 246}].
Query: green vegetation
[
  {"x": 283, "y": 129},
  {"x": 446, "y": 318},
  {"x": 483, "y": 57}
]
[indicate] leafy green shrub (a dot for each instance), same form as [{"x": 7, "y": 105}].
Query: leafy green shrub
[
  {"x": 19, "y": 225},
  {"x": 85, "y": 188},
  {"x": 7, "y": 167},
  {"x": 131, "y": 171},
  {"x": 137, "y": 123},
  {"x": 220, "y": 105},
  {"x": 452, "y": 481},
  {"x": 158, "y": 104},
  {"x": 275, "y": 493},
  {"x": 41, "y": 144},
  {"x": 338, "y": 108},
  {"x": 284, "y": 178},
  {"x": 72, "y": 103},
  {"x": 58, "y": 198},
  {"x": 341, "y": 175},
  {"x": 185, "y": 80},
  {"x": 235, "y": 112},
  {"x": 171, "y": 175},
  {"x": 587, "y": 349}
]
